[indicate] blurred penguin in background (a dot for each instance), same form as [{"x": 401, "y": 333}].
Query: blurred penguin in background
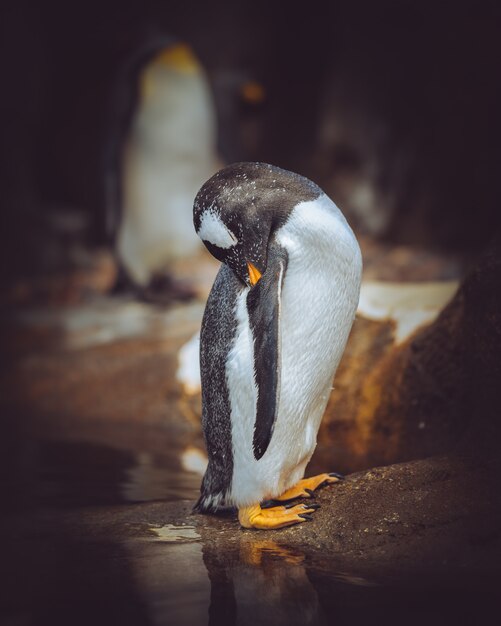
[{"x": 160, "y": 149}]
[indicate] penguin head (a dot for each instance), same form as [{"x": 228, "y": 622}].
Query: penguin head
[{"x": 237, "y": 211}]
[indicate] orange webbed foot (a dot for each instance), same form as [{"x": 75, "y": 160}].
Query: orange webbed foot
[
  {"x": 275, "y": 517},
  {"x": 305, "y": 487}
]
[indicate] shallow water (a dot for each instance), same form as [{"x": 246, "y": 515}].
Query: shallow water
[
  {"x": 78, "y": 474},
  {"x": 57, "y": 571}
]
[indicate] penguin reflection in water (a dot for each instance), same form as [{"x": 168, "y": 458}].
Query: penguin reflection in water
[{"x": 273, "y": 332}]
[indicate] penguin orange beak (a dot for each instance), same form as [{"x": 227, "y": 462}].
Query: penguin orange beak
[{"x": 254, "y": 273}]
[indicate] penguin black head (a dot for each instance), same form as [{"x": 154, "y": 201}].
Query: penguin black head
[{"x": 237, "y": 210}]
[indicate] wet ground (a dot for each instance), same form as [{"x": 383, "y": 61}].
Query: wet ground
[{"x": 94, "y": 533}]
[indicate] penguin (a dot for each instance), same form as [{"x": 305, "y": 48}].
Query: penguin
[
  {"x": 273, "y": 332},
  {"x": 161, "y": 148}
]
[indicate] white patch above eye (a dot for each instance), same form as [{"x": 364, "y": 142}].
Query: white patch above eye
[{"x": 213, "y": 230}]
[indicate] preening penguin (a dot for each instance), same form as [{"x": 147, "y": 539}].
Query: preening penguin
[
  {"x": 273, "y": 332},
  {"x": 160, "y": 150}
]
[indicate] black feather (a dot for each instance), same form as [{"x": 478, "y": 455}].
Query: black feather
[
  {"x": 216, "y": 338},
  {"x": 263, "y": 305}
]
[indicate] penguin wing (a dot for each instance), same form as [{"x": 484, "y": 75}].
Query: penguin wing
[
  {"x": 263, "y": 305},
  {"x": 216, "y": 339}
]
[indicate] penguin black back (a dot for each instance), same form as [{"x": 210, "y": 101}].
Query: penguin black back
[{"x": 216, "y": 337}]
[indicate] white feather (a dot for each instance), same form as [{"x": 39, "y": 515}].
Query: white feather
[
  {"x": 213, "y": 230},
  {"x": 319, "y": 299}
]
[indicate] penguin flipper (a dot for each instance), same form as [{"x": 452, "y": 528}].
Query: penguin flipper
[
  {"x": 263, "y": 305},
  {"x": 216, "y": 339}
]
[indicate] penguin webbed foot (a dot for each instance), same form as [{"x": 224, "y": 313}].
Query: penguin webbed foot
[
  {"x": 123, "y": 284},
  {"x": 275, "y": 517},
  {"x": 306, "y": 487}
]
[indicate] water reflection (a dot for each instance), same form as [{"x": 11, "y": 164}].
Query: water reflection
[
  {"x": 157, "y": 477},
  {"x": 171, "y": 580},
  {"x": 174, "y": 572},
  {"x": 260, "y": 582},
  {"x": 185, "y": 581},
  {"x": 73, "y": 474}
]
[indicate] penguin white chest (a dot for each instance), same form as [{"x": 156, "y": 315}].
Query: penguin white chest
[{"x": 318, "y": 303}]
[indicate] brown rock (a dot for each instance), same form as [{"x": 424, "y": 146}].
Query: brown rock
[{"x": 437, "y": 390}]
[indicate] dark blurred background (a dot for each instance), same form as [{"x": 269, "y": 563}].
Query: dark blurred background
[{"x": 392, "y": 107}]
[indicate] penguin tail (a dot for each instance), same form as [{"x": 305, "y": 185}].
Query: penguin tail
[
  {"x": 213, "y": 492},
  {"x": 200, "y": 506},
  {"x": 209, "y": 503}
]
